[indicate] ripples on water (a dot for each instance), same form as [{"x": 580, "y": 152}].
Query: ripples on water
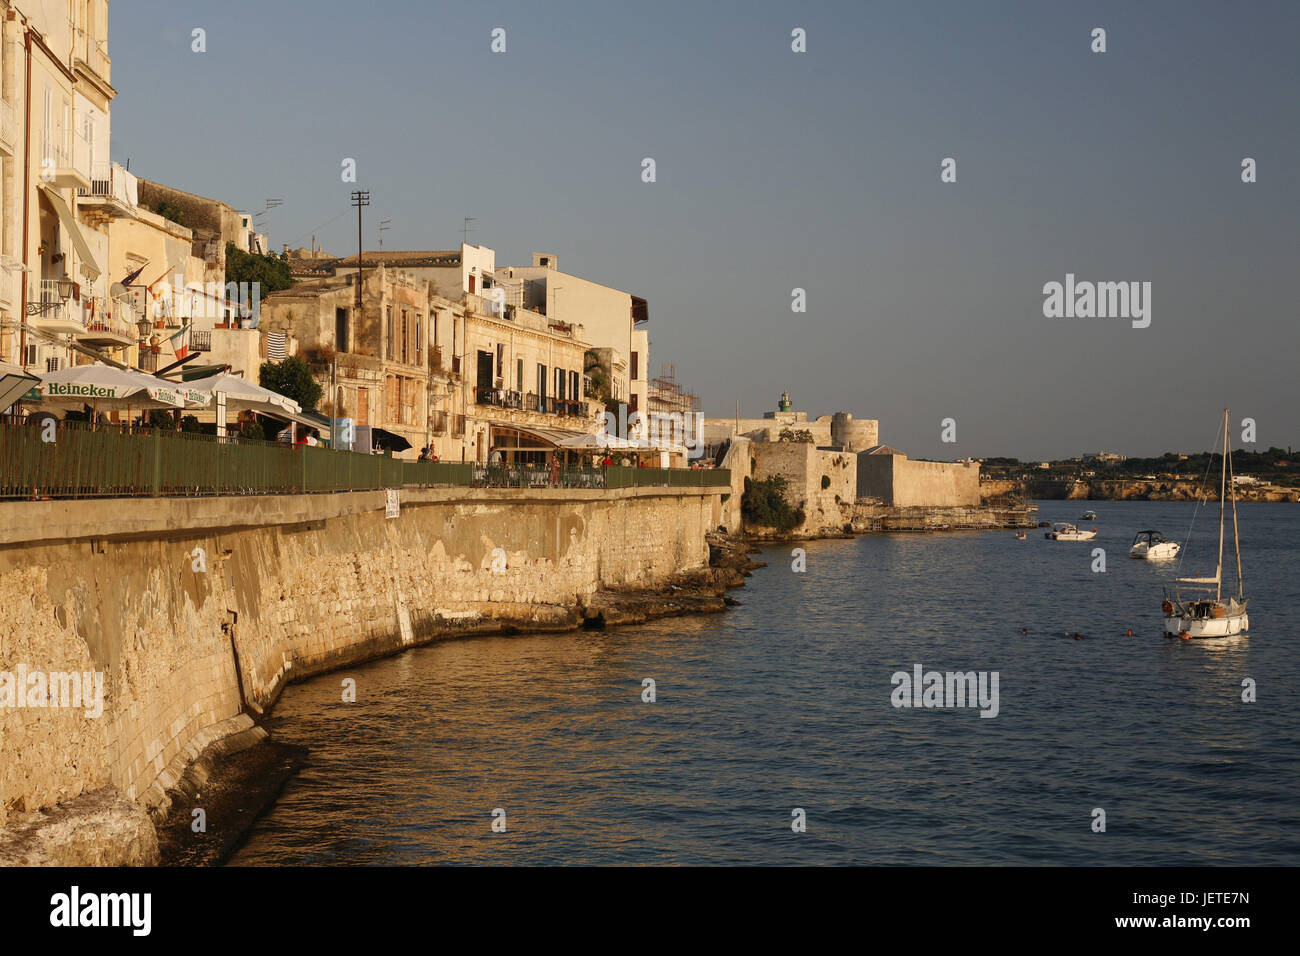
[{"x": 785, "y": 702}]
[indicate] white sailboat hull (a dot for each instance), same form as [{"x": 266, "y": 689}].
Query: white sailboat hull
[{"x": 1196, "y": 627}]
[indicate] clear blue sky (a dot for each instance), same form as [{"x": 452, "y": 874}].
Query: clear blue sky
[{"x": 817, "y": 170}]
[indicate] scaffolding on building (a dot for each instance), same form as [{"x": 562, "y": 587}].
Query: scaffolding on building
[{"x": 665, "y": 394}]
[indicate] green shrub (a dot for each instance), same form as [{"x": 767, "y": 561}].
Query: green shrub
[
  {"x": 826, "y": 482},
  {"x": 764, "y": 503}
]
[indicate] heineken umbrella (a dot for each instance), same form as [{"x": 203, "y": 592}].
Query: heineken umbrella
[
  {"x": 104, "y": 386},
  {"x": 231, "y": 393},
  {"x": 243, "y": 395}
]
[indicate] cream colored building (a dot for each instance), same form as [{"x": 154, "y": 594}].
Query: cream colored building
[
  {"x": 58, "y": 187},
  {"x": 608, "y": 317},
  {"x": 520, "y": 378}
]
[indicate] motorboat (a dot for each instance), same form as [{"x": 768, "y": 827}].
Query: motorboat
[
  {"x": 1152, "y": 546},
  {"x": 1064, "y": 531},
  {"x": 1204, "y": 616},
  {"x": 1088, "y": 516}
]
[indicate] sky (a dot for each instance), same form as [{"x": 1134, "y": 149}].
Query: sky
[{"x": 778, "y": 170}]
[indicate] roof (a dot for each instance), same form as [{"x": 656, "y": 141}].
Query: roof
[
  {"x": 882, "y": 450},
  {"x": 446, "y": 258}
]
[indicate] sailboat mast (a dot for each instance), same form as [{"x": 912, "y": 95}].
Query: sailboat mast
[
  {"x": 1236, "y": 539},
  {"x": 1223, "y": 482}
]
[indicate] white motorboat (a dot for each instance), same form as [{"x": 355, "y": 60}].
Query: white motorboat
[
  {"x": 1064, "y": 531},
  {"x": 1206, "y": 616},
  {"x": 1088, "y": 516},
  {"x": 1152, "y": 546}
]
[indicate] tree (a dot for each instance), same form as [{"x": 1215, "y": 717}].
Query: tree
[
  {"x": 292, "y": 379},
  {"x": 764, "y": 504},
  {"x": 272, "y": 273},
  {"x": 169, "y": 210}
]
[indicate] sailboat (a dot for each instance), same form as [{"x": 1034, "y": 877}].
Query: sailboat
[{"x": 1206, "y": 616}]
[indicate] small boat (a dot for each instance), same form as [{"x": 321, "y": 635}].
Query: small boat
[
  {"x": 1088, "y": 516},
  {"x": 1217, "y": 616},
  {"x": 1152, "y": 546},
  {"x": 1020, "y": 536},
  {"x": 1044, "y": 524},
  {"x": 1064, "y": 531}
]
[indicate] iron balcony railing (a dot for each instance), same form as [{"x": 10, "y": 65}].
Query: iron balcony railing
[{"x": 115, "y": 461}]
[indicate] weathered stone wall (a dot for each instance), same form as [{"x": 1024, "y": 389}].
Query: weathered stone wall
[
  {"x": 289, "y": 585},
  {"x": 903, "y": 483},
  {"x": 803, "y": 465}
]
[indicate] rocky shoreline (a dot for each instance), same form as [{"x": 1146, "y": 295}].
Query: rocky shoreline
[{"x": 235, "y": 780}]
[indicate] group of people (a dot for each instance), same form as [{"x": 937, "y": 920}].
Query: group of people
[{"x": 427, "y": 454}]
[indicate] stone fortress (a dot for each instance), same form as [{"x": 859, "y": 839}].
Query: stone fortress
[{"x": 836, "y": 470}]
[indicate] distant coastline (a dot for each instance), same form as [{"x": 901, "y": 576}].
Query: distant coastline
[{"x": 1125, "y": 489}]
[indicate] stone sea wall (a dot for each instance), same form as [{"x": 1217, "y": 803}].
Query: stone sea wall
[{"x": 197, "y": 611}]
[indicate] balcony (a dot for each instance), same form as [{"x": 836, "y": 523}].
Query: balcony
[
  {"x": 500, "y": 397},
  {"x": 91, "y": 57},
  {"x": 488, "y": 308},
  {"x": 200, "y": 340},
  {"x": 108, "y": 322},
  {"x": 69, "y": 155},
  {"x": 111, "y": 193},
  {"x": 8, "y": 126},
  {"x": 52, "y": 313}
]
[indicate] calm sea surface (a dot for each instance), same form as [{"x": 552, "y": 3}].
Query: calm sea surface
[{"x": 784, "y": 702}]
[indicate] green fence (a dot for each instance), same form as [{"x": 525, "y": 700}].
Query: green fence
[{"x": 111, "y": 461}]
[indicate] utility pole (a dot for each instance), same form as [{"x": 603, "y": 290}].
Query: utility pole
[{"x": 360, "y": 198}]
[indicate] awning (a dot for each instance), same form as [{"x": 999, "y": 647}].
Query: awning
[
  {"x": 14, "y": 383},
  {"x": 550, "y": 437},
  {"x": 73, "y": 228}
]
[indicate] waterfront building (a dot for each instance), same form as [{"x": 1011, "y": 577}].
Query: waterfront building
[
  {"x": 58, "y": 189},
  {"x": 376, "y": 364},
  {"x": 609, "y": 319}
]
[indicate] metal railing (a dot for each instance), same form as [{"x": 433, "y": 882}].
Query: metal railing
[
  {"x": 116, "y": 461},
  {"x": 200, "y": 340}
]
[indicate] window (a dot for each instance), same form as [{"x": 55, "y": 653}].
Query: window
[
  {"x": 573, "y": 386},
  {"x": 519, "y": 374},
  {"x": 635, "y": 376},
  {"x": 341, "y": 330},
  {"x": 418, "y": 342},
  {"x": 559, "y": 384},
  {"x": 51, "y": 365},
  {"x": 501, "y": 363},
  {"x": 541, "y": 387},
  {"x": 390, "y": 335},
  {"x": 405, "y": 353}
]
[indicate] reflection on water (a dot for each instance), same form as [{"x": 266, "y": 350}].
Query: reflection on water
[{"x": 784, "y": 702}]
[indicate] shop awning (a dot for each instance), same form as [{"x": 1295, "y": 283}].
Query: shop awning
[
  {"x": 547, "y": 437},
  {"x": 73, "y": 229}
]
